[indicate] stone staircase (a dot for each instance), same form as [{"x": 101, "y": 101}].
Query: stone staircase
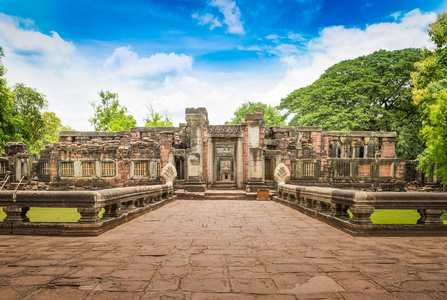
[
  {"x": 213, "y": 194},
  {"x": 224, "y": 185},
  {"x": 226, "y": 195}
]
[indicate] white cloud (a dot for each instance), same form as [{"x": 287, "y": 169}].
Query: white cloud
[
  {"x": 73, "y": 83},
  {"x": 207, "y": 19},
  {"x": 296, "y": 37},
  {"x": 338, "y": 43},
  {"x": 272, "y": 37},
  {"x": 126, "y": 63},
  {"x": 396, "y": 15},
  {"x": 231, "y": 16},
  {"x": 38, "y": 48}
]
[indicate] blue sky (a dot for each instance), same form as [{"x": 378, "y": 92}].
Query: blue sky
[{"x": 178, "y": 54}]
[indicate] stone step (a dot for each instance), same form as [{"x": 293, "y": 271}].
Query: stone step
[
  {"x": 225, "y": 195},
  {"x": 224, "y": 186},
  {"x": 214, "y": 194}
]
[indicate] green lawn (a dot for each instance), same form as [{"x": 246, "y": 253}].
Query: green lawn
[
  {"x": 45, "y": 214},
  {"x": 397, "y": 216},
  {"x": 383, "y": 216}
]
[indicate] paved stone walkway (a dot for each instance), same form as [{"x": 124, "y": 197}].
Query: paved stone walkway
[{"x": 223, "y": 250}]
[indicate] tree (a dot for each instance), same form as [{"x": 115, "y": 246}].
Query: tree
[
  {"x": 272, "y": 117},
  {"x": 370, "y": 93},
  {"x": 21, "y": 116},
  {"x": 110, "y": 115},
  {"x": 30, "y": 103},
  {"x": 67, "y": 128},
  {"x": 8, "y": 113},
  {"x": 430, "y": 96},
  {"x": 154, "y": 119},
  {"x": 52, "y": 127}
]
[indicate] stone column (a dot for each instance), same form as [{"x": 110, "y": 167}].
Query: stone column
[
  {"x": 255, "y": 153},
  {"x": 196, "y": 118}
]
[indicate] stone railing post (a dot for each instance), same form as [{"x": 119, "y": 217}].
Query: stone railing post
[
  {"x": 15, "y": 214},
  {"x": 89, "y": 215},
  {"x": 111, "y": 211},
  {"x": 339, "y": 210},
  {"x": 430, "y": 216},
  {"x": 361, "y": 214}
]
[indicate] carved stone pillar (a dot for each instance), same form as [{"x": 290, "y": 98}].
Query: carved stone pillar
[
  {"x": 111, "y": 211},
  {"x": 430, "y": 216},
  {"x": 196, "y": 119},
  {"x": 339, "y": 210},
  {"x": 361, "y": 214},
  {"x": 15, "y": 214},
  {"x": 89, "y": 215},
  {"x": 255, "y": 154}
]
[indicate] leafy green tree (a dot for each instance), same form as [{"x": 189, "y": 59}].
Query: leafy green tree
[
  {"x": 371, "y": 93},
  {"x": 110, "y": 115},
  {"x": 272, "y": 116},
  {"x": 21, "y": 116},
  {"x": 154, "y": 119},
  {"x": 67, "y": 128},
  {"x": 8, "y": 112},
  {"x": 51, "y": 129},
  {"x": 30, "y": 103},
  {"x": 430, "y": 96}
]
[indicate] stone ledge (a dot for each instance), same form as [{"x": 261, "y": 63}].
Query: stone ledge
[
  {"x": 78, "y": 229},
  {"x": 377, "y": 230}
]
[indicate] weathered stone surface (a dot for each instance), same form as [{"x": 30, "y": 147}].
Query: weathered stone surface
[
  {"x": 99, "y": 160},
  {"x": 223, "y": 250}
]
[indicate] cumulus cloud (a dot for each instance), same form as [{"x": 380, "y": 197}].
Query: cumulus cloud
[
  {"x": 338, "y": 43},
  {"x": 126, "y": 63},
  {"x": 19, "y": 38},
  {"x": 231, "y": 16},
  {"x": 71, "y": 81},
  {"x": 71, "y": 85}
]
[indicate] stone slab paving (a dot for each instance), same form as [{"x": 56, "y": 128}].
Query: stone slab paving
[{"x": 223, "y": 250}]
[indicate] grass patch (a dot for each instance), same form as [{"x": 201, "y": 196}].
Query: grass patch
[
  {"x": 397, "y": 216},
  {"x": 49, "y": 214},
  {"x": 382, "y": 216}
]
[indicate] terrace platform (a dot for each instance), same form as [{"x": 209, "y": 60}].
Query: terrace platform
[{"x": 225, "y": 249}]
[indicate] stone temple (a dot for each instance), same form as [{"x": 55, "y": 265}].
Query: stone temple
[{"x": 208, "y": 156}]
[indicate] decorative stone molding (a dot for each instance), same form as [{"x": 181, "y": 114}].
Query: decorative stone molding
[
  {"x": 169, "y": 173},
  {"x": 224, "y": 130},
  {"x": 282, "y": 173}
]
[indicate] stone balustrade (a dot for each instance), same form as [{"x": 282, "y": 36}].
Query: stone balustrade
[
  {"x": 120, "y": 205},
  {"x": 332, "y": 205}
]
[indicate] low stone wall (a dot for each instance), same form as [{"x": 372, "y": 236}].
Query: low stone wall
[
  {"x": 121, "y": 205},
  {"x": 332, "y": 205}
]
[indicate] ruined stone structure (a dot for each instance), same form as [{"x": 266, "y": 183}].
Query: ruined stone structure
[{"x": 211, "y": 156}]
